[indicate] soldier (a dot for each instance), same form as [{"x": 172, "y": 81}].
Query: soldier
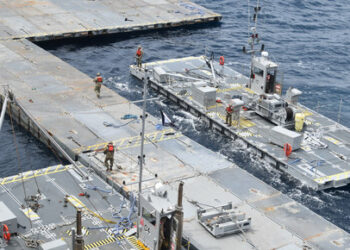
[
  {"x": 109, "y": 152},
  {"x": 139, "y": 54},
  {"x": 229, "y": 111},
  {"x": 98, "y": 81}
]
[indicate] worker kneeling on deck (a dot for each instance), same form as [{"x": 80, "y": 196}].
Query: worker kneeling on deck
[
  {"x": 109, "y": 152},
  {"x": 139, "y": 54},
  {"x": 229, "y": 111},
  {"x": 98, "y": 82}
]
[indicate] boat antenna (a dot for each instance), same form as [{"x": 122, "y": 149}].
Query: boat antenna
[{"x": 253, "y": 36}]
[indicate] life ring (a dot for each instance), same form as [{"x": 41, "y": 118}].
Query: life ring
[
  {"x": 6, "y": 233},
  {"x": 222, "y": 60}
]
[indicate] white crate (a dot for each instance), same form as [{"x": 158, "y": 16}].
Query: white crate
[
  {"x": 281, "y": 136},
  {"x": 204, "y": 95},
  {"x": 159, "y": 74},
  {"x": 8, "y": 218}
]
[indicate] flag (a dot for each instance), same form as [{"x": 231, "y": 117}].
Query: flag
[{"x": 165, "y": 119}]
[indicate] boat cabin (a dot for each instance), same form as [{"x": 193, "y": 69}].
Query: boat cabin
[{"x": 263, "y": 75}]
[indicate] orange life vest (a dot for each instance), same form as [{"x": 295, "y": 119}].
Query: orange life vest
[
  {"x": 138, "y": 52},
  {"x": 110, "y": 148},
  {"x": 287, "y": 149},
  {"x": 229, "y": 109},
  {"x": 99, "y": 79}
]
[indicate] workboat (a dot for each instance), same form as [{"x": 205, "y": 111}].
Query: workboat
[{"x": 271, "y": 122}]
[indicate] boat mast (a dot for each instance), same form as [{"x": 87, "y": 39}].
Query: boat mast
[{"x": 253, "y": 37}]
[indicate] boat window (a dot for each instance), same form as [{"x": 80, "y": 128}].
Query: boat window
[
  {"x": 271, "y": 72},
  {"x": 149, "y": 216},
  {"x": 258, "y": 71},
  {"x": 278, "y": 105}
]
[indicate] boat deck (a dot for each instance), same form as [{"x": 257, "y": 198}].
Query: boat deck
[
  {"x": 55, "y": 19},
  {"x": 55, "y": 218},
  {"x": 322, "y": 162}
]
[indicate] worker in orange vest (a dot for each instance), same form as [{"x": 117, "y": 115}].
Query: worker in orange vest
[
  {"x": 139, "y": 54},
  {"x": 98, "y": 82},
  {"x": 109, "y": 152},
  {"x": 229, "y": 111}
]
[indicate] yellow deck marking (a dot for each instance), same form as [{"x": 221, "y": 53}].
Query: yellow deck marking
[
  {"x": 134, "y": 241},
  {"x": 37, "y": 173},
  {"x": 306, "y": 148},
  {"x": 101, "y": 243},
  {"x": 78, "y": 204},
  {"x": 307, "y": 113},
  {"x": 242, "y": 122},
  {"x": 215, "y": 106},
  {"x": 134, "y": 141},
  {"x": 249, "y": 90},
  {"x": 339, "y": 176},
  {"x": 228, "y": 89},
  {"x": 245, "y": 133},
  {"x": 30, "y": 214},
  {"x": 331, "y": 139}
]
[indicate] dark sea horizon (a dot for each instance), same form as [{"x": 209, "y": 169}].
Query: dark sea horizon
[{"x": 309, "y": 39}]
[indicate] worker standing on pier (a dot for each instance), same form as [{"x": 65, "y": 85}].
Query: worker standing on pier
[
  {"x": 98, "y": 82},
  {"x": 139, "y": 54},
  {"x": 229, "y": 111},
  {"x": 109, "y": 152}
]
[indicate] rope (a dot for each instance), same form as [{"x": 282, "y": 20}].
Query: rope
[
  {"x": 89, "y": 210},
  {"x": 107, "y": 124},
  {"x": 32, "y": 169},
  {"x": 19, "y": 163},
  {"x": 124, "y": 222},
  {"x": 91, "y": 203},
  {"x": 74, "y": 180}
]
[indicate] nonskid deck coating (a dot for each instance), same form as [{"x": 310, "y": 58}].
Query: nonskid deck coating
[
  {"x": 40, "y": 20},
  {"x": 62, "y": 100},
  {"x": 55, "y": 219}
]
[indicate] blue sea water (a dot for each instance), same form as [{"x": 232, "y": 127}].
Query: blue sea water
[{"x": 308, "y": 38}]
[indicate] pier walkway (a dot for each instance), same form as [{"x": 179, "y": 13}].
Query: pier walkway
[{"x": 39, "y": 20}]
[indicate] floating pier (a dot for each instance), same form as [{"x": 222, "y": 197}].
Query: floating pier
[
  {"x": 54, "y": 96},
  {"x": 51, "y": 19},
  {"x": 51, "y": 99},
  {"x": 322, "y": 161}
]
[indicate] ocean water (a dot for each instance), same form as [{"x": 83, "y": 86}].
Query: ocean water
[{"x": 308, "y": 38}]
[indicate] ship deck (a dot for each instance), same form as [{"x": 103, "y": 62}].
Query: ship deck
[
  {"x": 60, "y": 99},
  {"x": 55, "y": 218},
  {"x": 53, "y": 19},
  {"x": 318, "y": 166}
]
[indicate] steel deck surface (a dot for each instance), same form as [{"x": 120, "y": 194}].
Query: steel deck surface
[
  {"x": 333, "y": 169},
  {"x": 55, "y": 218},
  {"x": 210, "y": 180},
  {"x": 54, "y": 19},
  {"x": 62, "y": 101}
]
